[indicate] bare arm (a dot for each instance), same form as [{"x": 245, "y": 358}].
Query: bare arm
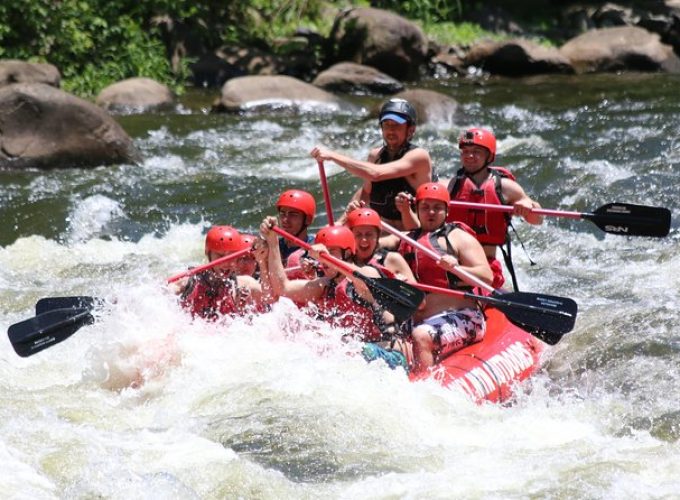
[
  {"x": 514, "y": 195},
  {"x": 408, "y": 217},
  {"x": 318, "y": 251},
  {"x": 390, "y": 242},
  {"x": 396, "y": 263},
  {"x": 252, "y": 290},
  {"x": 261, "y": 250},
  {"x": 302, "y": 291},
  {"x": 356, "y": 201},
  {"x": 416, "y": 161}
]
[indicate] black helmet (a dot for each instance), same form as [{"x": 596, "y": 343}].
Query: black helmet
[{"x": 399, "y": 107}]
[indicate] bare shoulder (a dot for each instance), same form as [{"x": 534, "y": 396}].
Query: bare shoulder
[
  {"x": 247, "y": 282},
  {"x": 512, "y": 191},
  {"x": 374, "y": 154},
  {"x": 419, "y": 154}
]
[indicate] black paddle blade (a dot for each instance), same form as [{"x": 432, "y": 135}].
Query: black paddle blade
[
  {"x": 395, "y": 296},
  {"x": 76, "y": 302},
  {"x": 632, "y": 220},
  {"x": 44, "y": 330},
  {"x": 546, "y": 317}
]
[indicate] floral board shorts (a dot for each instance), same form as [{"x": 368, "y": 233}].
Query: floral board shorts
[{"x": 455, "y": 329}]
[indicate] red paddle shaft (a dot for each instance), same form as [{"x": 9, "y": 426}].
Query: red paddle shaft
[
  {"x": 216, "y": 262},
  {"x": 326, "y": 193},
  {"x": 462, "y": 273}
]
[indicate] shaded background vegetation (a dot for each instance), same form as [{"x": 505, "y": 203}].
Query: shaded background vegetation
[{"x": 98, "y": 42}]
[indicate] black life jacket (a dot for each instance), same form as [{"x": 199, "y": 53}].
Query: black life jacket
[{"x": 383, "y": 193}]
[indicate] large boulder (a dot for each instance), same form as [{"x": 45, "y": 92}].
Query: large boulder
[
  {"x": 13, "y": 71},
  {"x": 273, "y": 92},
  {"x": 620, "y": 49},
  {"x": 135, "y": 95},
  {"x": 44, "y": 127},
  {"x": 378, "y": 38},
  {"x": 356, "y": 78},
  {"x": 517, "y": 57}
]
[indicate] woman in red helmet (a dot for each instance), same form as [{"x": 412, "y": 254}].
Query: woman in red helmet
[
  {"x": 445, "y": 324},
  {"x": 365, "y": 224},
  {"x": 394, "y": 167},
  {"x": 479, "y": 182},
  {"x": 337, "y": 296},
  {"x": 223, "y": 289}
]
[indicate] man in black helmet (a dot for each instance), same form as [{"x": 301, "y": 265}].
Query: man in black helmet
[{"x": 395, "y": 167}]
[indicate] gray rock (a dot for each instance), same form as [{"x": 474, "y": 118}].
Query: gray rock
[
  {"x": 273, "y": 92},
  {"x": 44, "y": 127},
  {"x": 13, "y": 71},
  {"x": 135, "y": 95},
  {"x": 620, "y": 49},
  {"x": 381, "y": 39},
  {"x": 517, "y": 58},
  {"x": 356, "y": 78}
]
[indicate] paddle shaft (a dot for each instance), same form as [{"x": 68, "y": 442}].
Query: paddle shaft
[
  {"x": 547, "y": 318},
  {"x": 396, "y": 296},
  {"x": 461, "y": 273},
  {"x": 216, "y": 262},
  {"x": 509, "y": 209},
  {"x": 326, "y": 193},
  {"x": 616, "y": 218},
  {"x": 491, "y": 300},
  {"x": 324, "y": 256}
]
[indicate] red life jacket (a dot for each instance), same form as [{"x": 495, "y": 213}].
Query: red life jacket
[
  {"x": 210, "y": 297},
  {"x": 352, "y": 312},
  {"x": 424, "y": 267},
  {"x": 490, "y": 227},
  {"x": 384, "y": 272},
  {"x": 294, "y": 261}
]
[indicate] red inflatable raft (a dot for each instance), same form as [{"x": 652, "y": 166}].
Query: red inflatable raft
[{"x": 487, "y": 370}]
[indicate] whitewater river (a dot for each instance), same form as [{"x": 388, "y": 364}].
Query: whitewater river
[{"x": 148, "y": 404}]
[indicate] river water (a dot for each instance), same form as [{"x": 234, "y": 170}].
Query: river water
[{"x": 148, "y": 404}]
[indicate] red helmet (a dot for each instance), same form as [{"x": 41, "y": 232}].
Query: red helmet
[
  {"x": 363, "y": 217},
  {"x": 337, "y": 236},
  {"x": 479, "y": 137},
  {"x": 299, "y": 200},
  {"x": 432, "y": 191},
  {"x": 223, "y": 239},
  {"x": 248, "y": 240}
]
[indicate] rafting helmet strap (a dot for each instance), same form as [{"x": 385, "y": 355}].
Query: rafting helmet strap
[{"x": 506, "y": 250}]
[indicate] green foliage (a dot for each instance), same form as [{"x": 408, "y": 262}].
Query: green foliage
[
  {"x": 97, "y": 42},
  {"x": 428, "y": 11},
  {"x": 458, "y": 33},
  {"x": 93, "y": 42}
]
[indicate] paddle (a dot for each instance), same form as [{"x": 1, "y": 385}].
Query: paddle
[
  {"x": 76, "y": 302},
  {"x": 396, "y": 296},
  {"x": 84, "y": 302},
  {"x": 326, "y": 193},
  {"x": 221, "y": 260},
  {"x": 57, "y": 318},
  {"x": 614, "y": 218},
  {"x": 547, "y": 317},
  {"x": 44, "y": 330}
]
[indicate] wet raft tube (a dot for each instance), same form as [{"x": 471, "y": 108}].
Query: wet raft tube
[{"x": 487, "y": 370}]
